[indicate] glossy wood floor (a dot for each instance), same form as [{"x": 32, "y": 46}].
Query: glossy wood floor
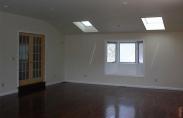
[{"x": 69, "y": 100}]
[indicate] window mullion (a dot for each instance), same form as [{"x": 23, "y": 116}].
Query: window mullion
[
  {"x": 137, "y": 52},
  {"x": 118, "y": 53}
]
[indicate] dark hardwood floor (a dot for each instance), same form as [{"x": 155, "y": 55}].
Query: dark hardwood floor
[{"x": 69, "y": 100}]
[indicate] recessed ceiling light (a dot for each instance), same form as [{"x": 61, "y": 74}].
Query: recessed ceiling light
[
  {"x": 87, "y": 23},
  {"x": 85, "y": 26},
  {"x": 153, "y": 23}
]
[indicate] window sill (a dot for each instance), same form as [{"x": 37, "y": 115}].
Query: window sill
[{"x": 132, "y": 76}]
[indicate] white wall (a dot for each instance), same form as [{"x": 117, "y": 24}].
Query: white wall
[
  {"x": 10, "y": 26},
  {"x": 163, "y": 60}
]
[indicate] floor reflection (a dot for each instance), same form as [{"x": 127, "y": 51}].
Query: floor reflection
[
  {"x": 126, "y": 111},
  {"x": 119, "y": 108},
  {"x": 69, "y": 100},
  {"x": 110, "y": 108},
  {"x": 34, "y": 106},
  {"x": 180, "y": 112}
]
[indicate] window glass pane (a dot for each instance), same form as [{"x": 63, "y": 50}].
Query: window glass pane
[
  {"x": 111, "y": 52},
  {"x": 141, "y": 55},
  {"x": 127, "y": 52}
]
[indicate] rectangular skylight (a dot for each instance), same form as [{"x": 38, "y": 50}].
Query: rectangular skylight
[
  {"x": 87, "y": 23},
  {"x": 153, "y": 23},
  {"x": 85, "y": 26}
]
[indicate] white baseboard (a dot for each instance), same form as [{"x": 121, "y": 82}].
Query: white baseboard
[
  {"x": 16, "y": 91},
  {"x": 126, "y": 85},
  {"x": 107, "y": 84},
  {"x": 52, "y": 83},
  {"x": 9, "y": 92}
]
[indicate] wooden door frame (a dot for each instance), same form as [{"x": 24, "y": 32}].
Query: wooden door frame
[{"x": 32, "y": 81}]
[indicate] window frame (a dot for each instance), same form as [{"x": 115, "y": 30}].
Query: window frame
[
  {"x": 120, "y": 55},
  {"x": 138, "y": 43},
  {"x": 116, "y": 52},
  {"x": 117, "y": 55}
]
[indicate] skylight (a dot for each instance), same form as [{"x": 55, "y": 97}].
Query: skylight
[
  {"x": 87, "y": 23},
  {"x": 85, "y": 26},
  {"x": 153, "y": 23}
]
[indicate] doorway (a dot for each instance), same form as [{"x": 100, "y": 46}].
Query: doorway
[{"x": 31, "y": 59}]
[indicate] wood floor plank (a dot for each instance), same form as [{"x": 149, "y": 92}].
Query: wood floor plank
[{"x": 71, "y": 100}]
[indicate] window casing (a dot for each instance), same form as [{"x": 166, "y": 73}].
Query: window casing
[
  {"x": 125, "y": 52},
  {"x": 140, "y": 52},
  {"x": 111, "y": 52}
]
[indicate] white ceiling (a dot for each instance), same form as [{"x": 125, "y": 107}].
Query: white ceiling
[{"x": 106, "y": 15}]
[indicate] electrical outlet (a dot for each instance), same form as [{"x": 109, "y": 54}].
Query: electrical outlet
[
  {"x": 54, "y": 76},
  {"x": 85, "y": 75},
  {"x": 13, "y": 58},
  {"x": 155, "y": 80}
]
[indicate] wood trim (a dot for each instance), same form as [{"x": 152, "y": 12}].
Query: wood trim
[
  {"x": 24, "y": 90},
  {"x": 43, "y": 57},
  {"x": 30, "y": 59},
  {"x": 30, "y": 79},
  {"x": 30, "y": 34}
]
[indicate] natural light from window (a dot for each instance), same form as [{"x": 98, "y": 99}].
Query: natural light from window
[
  {"x": 111, "y": 52},
  {"x": 124, "y": 58},
  {"x": 127, "y": 52},
  {"x": 141, "y": 53}
]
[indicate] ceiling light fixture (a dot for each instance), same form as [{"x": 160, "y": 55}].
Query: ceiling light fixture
[
  {"x": 85, "y": 26},
  {"x": 153, "y": 23}
]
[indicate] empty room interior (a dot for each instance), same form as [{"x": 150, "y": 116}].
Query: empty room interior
[{"x": 91, "y": 58}]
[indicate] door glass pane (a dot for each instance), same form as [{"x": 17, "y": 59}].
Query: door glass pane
[
  {"x": 23, "y": 57},
  {"x": 36, "y": 57}
]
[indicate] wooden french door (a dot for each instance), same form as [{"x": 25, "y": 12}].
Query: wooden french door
[{"x": 31, "y": 58}]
